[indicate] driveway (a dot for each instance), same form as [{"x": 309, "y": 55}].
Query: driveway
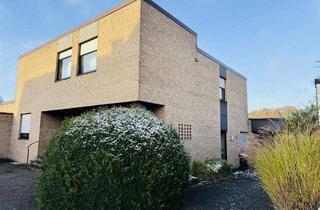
[
  {"x": 241, "y": 191},
  {"x": 17, "y": 184}
]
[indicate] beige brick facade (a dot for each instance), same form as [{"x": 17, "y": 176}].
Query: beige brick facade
[
  {"x": 144, "y": 55},
  {"x": 5, "y": 133},
  {"x": 169, "y": 75}
]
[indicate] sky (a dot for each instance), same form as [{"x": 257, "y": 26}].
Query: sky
[{"x": 273, "y": 43}]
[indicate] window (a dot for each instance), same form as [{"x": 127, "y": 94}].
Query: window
[
  {"x": 88, "y": 56},
  {"x": 184, "y": 132},
  {"x": 222, "y": 82},
  {"x": 64, "y": 65},
  {"x": 25, "y": 122},
  {"x": 243, "y": 140}
]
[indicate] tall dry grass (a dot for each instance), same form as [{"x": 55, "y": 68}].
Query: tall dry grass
[{"x": 289, "y": 168}]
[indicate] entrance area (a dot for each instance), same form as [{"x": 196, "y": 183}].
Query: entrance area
[
  {"x": 224, "y": 145},
  {"x": 51, "y": 120}
]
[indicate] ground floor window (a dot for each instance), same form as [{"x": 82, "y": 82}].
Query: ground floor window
[{"x": 25, "y": 123}]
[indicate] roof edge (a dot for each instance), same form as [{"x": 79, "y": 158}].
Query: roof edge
[
  {"x": 171, "y": 17},
  {"x": 94, "y": 19},
  {"x": 7, "y": 102},
  {"x": 266, "y": 118},
  {"x": 202, "y": 52},
  {"x": 6, "y": 113}
]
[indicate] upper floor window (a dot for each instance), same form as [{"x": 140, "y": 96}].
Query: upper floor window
[
  {"x": 25, "y": 123},
  {"x": 88, "y": 56},
  {"x": 64, "y": 65},
  {"x": 222, "y": 82}
]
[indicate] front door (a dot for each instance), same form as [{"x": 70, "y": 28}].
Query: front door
[{"x": 224, "y": 145}]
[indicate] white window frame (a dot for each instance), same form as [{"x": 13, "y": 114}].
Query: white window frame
[
  {"x": 25, "y": 126},
  {"x": 86, "y": 48},
  {"x": 222, "y": 88},
  {"x": 63, "y": 55}
]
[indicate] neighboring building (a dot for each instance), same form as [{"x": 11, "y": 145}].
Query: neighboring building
[
  {"x": 258, "y": 125},
  {"x": 135, "y": 53}
]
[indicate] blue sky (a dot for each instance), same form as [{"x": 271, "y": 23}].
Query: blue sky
[{"x": 273, "y": 43}]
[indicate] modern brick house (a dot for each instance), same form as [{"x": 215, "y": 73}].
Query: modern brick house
[{"x": 135, "y": 53}]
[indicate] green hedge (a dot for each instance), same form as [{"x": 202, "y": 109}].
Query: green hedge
[
  {"x": 211, "y": 170},
  {"x": 119, "y": 158}
]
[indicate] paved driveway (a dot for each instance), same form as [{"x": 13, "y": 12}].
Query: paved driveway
[
  {"x": 241, "y": 192},
  {"x": 17, "y": 187}
]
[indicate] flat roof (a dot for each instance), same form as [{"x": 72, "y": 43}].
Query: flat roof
[
  {"x": 220, "y": 63},
  {"x": 266, "y": 118}
]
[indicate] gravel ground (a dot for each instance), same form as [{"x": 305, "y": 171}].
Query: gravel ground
[
  {"x": 17, "y": 187},
  {"x": 241, "y": 191}
]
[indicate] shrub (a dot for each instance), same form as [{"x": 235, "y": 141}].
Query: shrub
[
  {"x": 211, "y": 170},
  {"x": 119, "y": 158},
  {"x": 304, "y": 121},
  {"x": 290, "y": 170}
]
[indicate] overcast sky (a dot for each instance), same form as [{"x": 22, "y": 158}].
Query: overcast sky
[{"x": 274, "y": 43}]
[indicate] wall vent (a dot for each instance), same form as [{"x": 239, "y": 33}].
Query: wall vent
[{"x": 185, "y": 132}]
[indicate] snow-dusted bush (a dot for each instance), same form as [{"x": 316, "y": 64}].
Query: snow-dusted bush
[
  {"x": 119, "y": 158},
  {"x": 211, "y": 170}
]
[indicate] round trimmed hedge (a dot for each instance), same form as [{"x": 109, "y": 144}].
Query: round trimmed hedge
[{"x": 118, "y": 158}]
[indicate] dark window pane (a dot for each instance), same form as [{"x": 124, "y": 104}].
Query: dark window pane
[
  {"x": 24, "y": 135},
  {"x": 64, "y": 68},
  {"x": 88, "y": 62}
]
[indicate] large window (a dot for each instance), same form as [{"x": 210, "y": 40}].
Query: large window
[
  {"x": 222, "y": 82},
  {"x": 25, "y": 123},
  {"x": 88, "y": 56},
  {"x": 64, "y": 65}
]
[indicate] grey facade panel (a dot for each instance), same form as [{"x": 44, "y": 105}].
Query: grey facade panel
[
  {"x": 223, "y": 115},
  {"x": 223, "y": 72},
  {"x": 258, "y": 125}
]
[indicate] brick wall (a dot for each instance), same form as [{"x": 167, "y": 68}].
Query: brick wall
[
  {"x": 5, "y": 133},
  {"x": 170, "y": 75},
  {"x": 174, "y": 73},
  {"x": 236, "y": 95},
  {"x": 49, "y": 125},
  {"x": 115, "y": 80}
]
